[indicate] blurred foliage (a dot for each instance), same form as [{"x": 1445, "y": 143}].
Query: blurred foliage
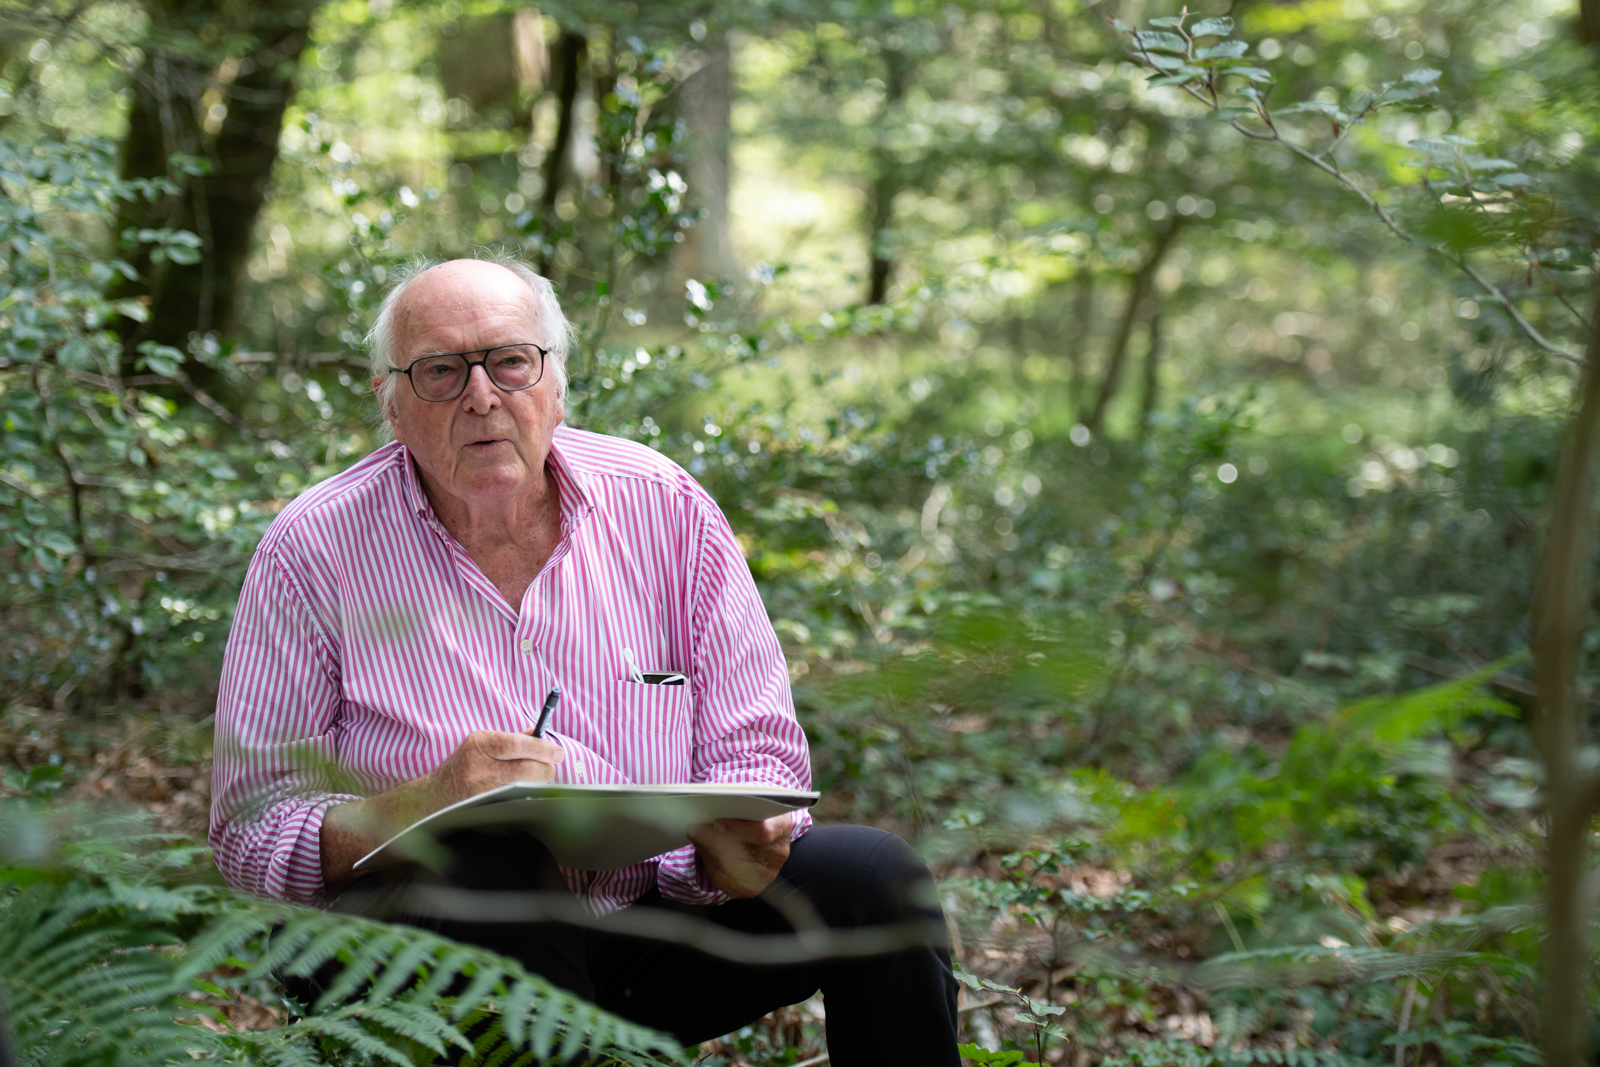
[
  {"x": 1148, "y": 548},
  {"x": 117, "y": 949}
]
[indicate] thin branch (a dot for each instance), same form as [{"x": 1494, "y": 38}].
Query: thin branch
[
  {"x": 217, "y": 409},
  {"x": 23, "y": 487},
  {"x": 1209, "y": 99},
  {"x": 1505, "y": 681},
  {"x": 1560, "y": 294},
  {"x": 1488, "y": 288}
]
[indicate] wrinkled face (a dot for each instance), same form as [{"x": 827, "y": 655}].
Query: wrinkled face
[{"x": 486, "y": 443}]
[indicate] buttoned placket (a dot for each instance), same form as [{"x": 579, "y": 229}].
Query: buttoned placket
[
  {"x": 530, "y": 626},
  {"x": 534, "y": 678}
]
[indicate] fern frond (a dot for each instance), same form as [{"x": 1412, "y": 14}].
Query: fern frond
[
  {"x": 479, "y": 989},
  {"x": 407, "y": 965},
  {"x": 106, "y": 960}
]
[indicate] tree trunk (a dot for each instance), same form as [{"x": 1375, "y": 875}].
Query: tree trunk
[
  {"x": 707, "y": 109},
  {"x": 1081, "y": 328},
  {"x": 1152, "y": 375},
  {"x": 886, "y": 180},
  {"x": 1566, "y": 580},
  {"x": 1561, "y": 613},
  {"x": 567, "y": 58},
  {"x": 1117, "y": 353},
  {"x": 221, "y": 206}
]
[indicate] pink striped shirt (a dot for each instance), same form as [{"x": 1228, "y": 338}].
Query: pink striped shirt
[{"x": 367, "y": 644}]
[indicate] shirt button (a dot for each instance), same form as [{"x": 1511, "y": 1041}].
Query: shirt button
[{"x": 527, "y": 646}]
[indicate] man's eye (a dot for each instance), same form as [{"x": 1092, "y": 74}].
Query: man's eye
[
  {"x": 438, "y": 370},
  {"x": 510, "y": 361}
]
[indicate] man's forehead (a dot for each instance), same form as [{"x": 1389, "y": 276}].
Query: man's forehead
[
  {"x": 466, "y": 281},
  {"x": 460, "y": 292}
]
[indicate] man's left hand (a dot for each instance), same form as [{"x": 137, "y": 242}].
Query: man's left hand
[{"x": 743, "y": 856}]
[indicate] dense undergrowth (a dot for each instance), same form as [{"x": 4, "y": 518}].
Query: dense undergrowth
[
  {"x": 1214, "y": 724},
  {"x": 1105, "y": 710}
]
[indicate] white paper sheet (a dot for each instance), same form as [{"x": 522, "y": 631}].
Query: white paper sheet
[{"x": 594, "y": 827}]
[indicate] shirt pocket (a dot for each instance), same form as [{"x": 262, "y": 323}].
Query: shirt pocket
[{"x": 645, "y": 729}]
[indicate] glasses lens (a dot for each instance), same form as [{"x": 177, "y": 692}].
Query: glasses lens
[
  {"x": 439, "y": 377},
  {"x": 515, "y": 366}
]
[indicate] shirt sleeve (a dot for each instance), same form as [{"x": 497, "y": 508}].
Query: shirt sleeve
[
  {"x": 274, "y": 775},
  {"x": 745, "y": 729},
  {"x": 583, "y": 765}
]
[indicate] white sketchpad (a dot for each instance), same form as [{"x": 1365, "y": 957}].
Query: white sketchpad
[{"x": 594, "y": 827}]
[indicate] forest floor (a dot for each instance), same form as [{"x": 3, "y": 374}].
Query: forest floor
[{"x": 158, "y": 762}]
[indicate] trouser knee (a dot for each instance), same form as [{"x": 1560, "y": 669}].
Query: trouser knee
[{"x": 862, "y": 876}]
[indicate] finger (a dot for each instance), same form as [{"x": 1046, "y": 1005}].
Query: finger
[
  {"x": 505, "y": 746},
  {"x": 758, "y": 832}
]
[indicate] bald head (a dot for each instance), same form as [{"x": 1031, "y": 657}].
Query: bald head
[{"x": 429, "y": 296}]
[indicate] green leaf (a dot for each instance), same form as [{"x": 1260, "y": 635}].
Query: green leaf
[
  {"x": 1152, "y": 41},
  {"x": 159, "y": 359},
  {"x": 1182, "y": 77},
  {"x": 990, "y": 1057},
  {"x": 195, "y": 166},
  {"x": 1167, "y": 21},
  {"x": 58, "y": 542},
  {"x": 133, "y": 310},
  {"x": 1162, "y": 62},
  {"x": 1422, "y": 76},
  {"x": 1255, "y": 74},
  {"x": 1223, "y": 50},
  {"x": 43, "y": 777},
  {"x": 1212, "y": 27}
]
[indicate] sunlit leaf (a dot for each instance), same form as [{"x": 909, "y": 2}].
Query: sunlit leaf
[
  {"x": 1161, "y": 42},
  {"x": 1224, "y": 50}
]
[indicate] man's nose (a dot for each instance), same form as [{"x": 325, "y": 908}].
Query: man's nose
[{"x": 480, "y": 393}]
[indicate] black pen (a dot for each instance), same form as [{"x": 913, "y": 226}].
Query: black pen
[{"x": 550, "y": 703}]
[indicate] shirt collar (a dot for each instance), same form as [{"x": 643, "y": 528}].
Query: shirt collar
[{"x": 572, "y": 487}]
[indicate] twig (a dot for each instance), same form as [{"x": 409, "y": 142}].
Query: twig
[
  {"x": 1405, "y": 1021},
  {"x": 970, "y": 1008},
  {"x": 1503, "y": 680},
  {"x": 804, "y": 946}
]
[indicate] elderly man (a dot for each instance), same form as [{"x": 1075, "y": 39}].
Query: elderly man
[{"x": 402, "y": 622}]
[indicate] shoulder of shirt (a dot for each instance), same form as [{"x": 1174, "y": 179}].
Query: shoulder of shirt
[
  {"x": 352, "y": 490},
  {"x": 600, "y": 458}
]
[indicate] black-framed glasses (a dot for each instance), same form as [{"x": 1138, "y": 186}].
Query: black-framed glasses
[{"x": 512, "y": 368}]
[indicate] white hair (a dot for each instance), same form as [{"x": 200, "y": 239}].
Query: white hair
[{"x": 551, "y": 322}]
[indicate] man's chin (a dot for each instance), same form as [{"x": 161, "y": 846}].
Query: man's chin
[{"x": 492, "y": 477}]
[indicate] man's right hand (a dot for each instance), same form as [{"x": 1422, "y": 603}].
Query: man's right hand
[{"x": 485, "y": 760}]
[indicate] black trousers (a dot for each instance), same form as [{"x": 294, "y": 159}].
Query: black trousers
[{"x": 897, "y": 1007}]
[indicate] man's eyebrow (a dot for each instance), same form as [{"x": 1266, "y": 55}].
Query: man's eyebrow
[{"x": 472, "y": 351}]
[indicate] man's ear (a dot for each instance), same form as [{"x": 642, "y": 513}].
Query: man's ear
[{"x": 387, "y": 406}]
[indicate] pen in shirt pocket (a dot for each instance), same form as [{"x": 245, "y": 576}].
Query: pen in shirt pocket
[{"x": 651, "y": 677}]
